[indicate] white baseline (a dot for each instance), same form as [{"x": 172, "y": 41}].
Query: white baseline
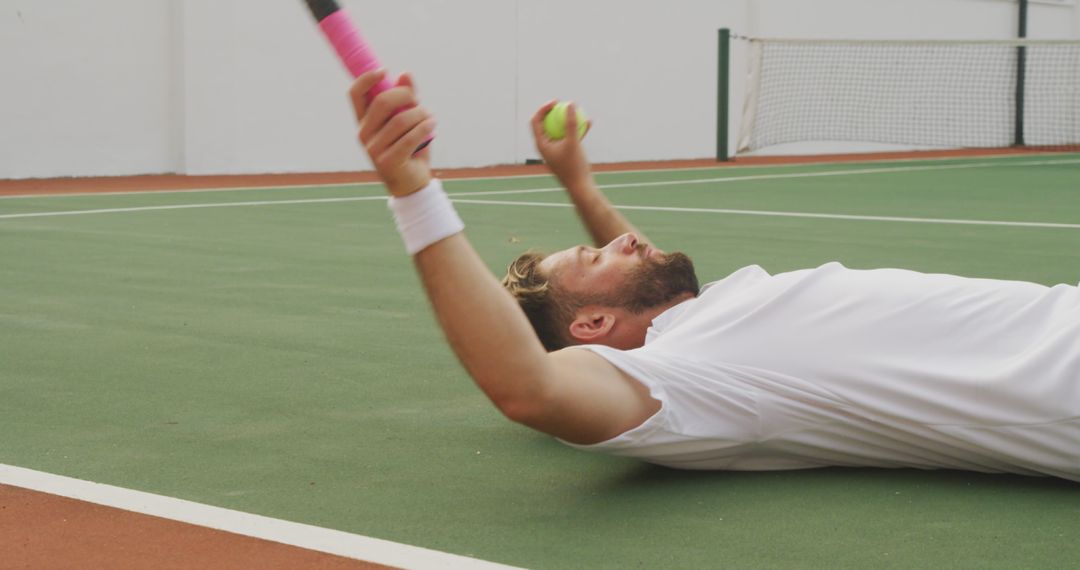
[{"x": 256, "y": 526}]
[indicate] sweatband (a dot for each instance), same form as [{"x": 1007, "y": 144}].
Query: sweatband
[{"x": 425, "y": 217}]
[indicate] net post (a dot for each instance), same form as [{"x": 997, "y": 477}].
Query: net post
[
  {"x": 723, "y": 94},
  {"x": 1021, "y": 73}
]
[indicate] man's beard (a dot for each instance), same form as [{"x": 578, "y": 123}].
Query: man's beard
[{"x": 655, "y": 282}]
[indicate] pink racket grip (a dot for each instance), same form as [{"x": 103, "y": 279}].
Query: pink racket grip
[{"x": 355, "y": 53}]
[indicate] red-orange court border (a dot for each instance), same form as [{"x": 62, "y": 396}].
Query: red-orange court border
[{"x": 158, "y": 182}]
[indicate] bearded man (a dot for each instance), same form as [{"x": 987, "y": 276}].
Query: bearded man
[{"x": 616, "y": 349}]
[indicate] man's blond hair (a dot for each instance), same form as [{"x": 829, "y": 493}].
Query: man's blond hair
[{"x": 547, "y": 309}]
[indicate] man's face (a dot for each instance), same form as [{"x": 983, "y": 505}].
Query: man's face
[{"x": 625, "y": 273}]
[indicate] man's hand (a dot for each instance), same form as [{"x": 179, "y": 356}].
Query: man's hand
[
  {"x": 565, "y": 157},
  {"x": 391, "y": 139}
]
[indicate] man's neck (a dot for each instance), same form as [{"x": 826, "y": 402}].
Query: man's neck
[
  {"x": 663, "y": 307},
  {"x": 634, "y": 327}
]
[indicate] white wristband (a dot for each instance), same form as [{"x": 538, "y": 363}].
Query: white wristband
[{"x": 425, "y": 217}]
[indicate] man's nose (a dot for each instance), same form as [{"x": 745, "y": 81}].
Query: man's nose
[{"x": 629, "y": 243}]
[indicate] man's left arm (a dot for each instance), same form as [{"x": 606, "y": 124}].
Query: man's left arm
[{"x": 566, "y": 159}]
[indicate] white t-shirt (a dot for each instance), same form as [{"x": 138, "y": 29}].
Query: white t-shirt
[{"x": 885, "y": 368}]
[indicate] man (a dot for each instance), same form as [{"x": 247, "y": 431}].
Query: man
[{"x": 826, "y": 366}]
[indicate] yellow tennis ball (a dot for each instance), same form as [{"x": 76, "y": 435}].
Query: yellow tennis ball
[{"x": 555, "y": 122}]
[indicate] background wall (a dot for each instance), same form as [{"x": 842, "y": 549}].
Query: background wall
[
  {"x": 85, "y": 88},
  {"x": 118, "y": 87}
]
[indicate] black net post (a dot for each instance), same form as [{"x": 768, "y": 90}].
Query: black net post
[
  {"x": 1021, "y": 72},
  {"x": 723, "y": 98}
]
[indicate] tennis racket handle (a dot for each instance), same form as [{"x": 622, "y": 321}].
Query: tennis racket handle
[
  {"x": 351, "y": 48},
  {"x": 355, "y": 53}
]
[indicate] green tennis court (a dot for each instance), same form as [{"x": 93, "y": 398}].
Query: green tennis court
[{"x": 270, "y": 351}]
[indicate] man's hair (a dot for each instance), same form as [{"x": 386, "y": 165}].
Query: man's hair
[{"x": 549, "y": 311}]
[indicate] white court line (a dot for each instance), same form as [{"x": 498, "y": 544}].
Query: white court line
[
  {"x": 456, "y": 195},
  {"x": 276, "y": 530},
  {"x": 771, "y": 213},
  {"x": 190, "y": 206},
  {"x": 725, "y": 179},
  {"x": 843, "y": 173},
  {"x": 191, "y": 190},
  {"x": 998, "y": 158}
]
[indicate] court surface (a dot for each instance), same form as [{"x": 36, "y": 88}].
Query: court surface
[{"x": 270, "y": 351}]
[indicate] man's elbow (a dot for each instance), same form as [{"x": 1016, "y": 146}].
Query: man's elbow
[{"x": 529, "y": 411}]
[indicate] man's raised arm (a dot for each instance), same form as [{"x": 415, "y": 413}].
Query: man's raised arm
[
  {"x": 575, "y": 395},
  {"x": 566, "y": 159}
]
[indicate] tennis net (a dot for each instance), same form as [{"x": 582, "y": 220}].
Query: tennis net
[{"x": 943, "y": 93}]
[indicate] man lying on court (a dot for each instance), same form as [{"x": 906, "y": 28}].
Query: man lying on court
[{"x": 820, "y": 367}]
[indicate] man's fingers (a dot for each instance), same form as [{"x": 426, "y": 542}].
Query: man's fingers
[
  {"x": 538, "y": 116},
  {"x": 406, "y": 80},
  {"x": 403, "y": 149},
  {"x": 571, "y": 120},
  {"x": 538, "y": 130},
  {"x": 537, "y": 120},
  {"x": 398, "y": 126},
  {"x": 572, "y": 125},
  {"x": 424, "y": 154},
  {"x": 359, "y": 90},
  {"x": 383, "y": 107}
]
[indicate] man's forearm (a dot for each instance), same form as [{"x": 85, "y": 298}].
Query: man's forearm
[
  {"x": 484, "y": 325},
  {"x": 603, "y": 222}
]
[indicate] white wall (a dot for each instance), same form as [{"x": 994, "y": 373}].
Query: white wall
[
  {"x": 266, "y": 94},
  {"x": 644, "y": 71},
  {"x": 116, "y": 87},
  {"x": 84, "y": 91}
]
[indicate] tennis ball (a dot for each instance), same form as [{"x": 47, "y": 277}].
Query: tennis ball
[{"x": 555, "y": 122}]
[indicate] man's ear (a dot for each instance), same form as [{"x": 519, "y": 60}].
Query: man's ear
[{"x": 591, "y": 325}]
